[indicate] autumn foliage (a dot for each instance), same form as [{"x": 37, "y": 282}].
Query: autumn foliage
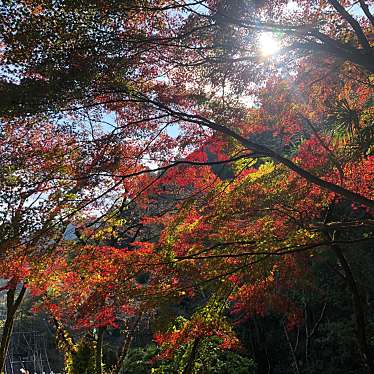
[{"x": 154, "y": 157}]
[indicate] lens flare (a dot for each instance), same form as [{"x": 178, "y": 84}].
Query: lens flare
[{"x": 268, "y": 44}]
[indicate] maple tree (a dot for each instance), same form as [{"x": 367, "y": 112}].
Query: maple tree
[
  {"x": 271, "y": 165},
  {"x": 93, "y": 287},
  {"x": 258, "y": 240},
  {"x": 49, "y": 177},
  {"x": 34, "y": 198},
  {"x": 134, "y": 91}
]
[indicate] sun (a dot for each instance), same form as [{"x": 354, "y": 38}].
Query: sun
[{"x": 268, "y": 44}]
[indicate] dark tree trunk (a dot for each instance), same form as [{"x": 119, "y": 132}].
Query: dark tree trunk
[
  {"x": 99, "y": 351},
  {"x": 125, "y": 347},
  {"x": 191, "y": 359},
  {"x": 12, "y": 304},
  {"x": 359, "y": 310}
]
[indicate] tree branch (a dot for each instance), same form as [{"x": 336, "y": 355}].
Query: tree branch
[
  {"x": 263, "y": 151},
  {"x": 355, "y": 25},
  {"x": 366, "y": 10}
]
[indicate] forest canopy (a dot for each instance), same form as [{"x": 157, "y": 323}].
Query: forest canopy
[{"x": 188, "y": 186}]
